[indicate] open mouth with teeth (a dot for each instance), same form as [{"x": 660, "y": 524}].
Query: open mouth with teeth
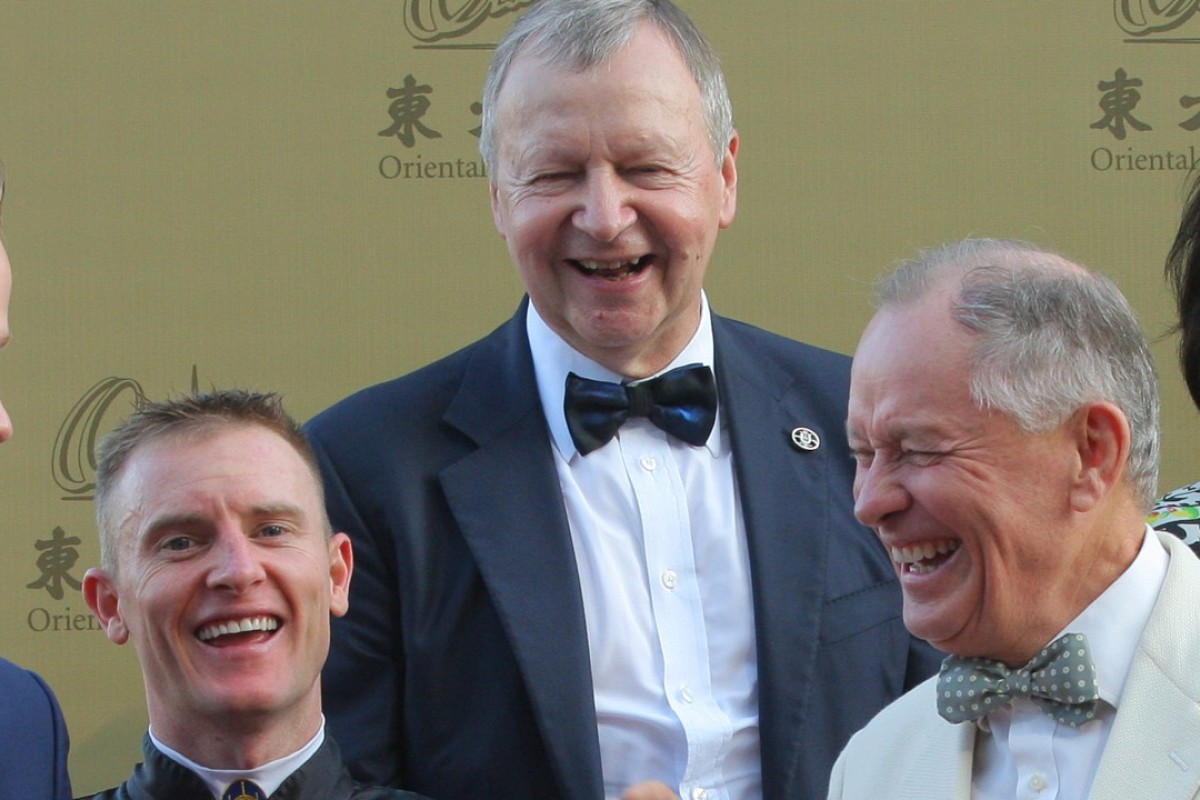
[
  {"x": 234, "y": 631},
  {"x": 923, "y": 558},
  {"x": 612, "y": 270}
]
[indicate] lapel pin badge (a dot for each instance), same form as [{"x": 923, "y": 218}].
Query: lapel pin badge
[{"x": 805, "y": 439}]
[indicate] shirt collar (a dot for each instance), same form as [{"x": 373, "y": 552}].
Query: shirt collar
[
  {"x": 268, "y": 776},
  {"x": 553, "y": 358},
  {"x": 1114, "y": 621}
]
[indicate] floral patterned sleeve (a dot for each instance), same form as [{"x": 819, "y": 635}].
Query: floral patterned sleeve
[{"x": 1178, "y": 513}]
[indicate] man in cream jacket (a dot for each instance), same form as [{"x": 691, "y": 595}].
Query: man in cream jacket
[{"x": 1004, "y": 421}]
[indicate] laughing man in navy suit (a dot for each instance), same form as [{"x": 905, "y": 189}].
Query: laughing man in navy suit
[
  {"x": 553, "y": 604},
  {"x": 33, "y": 737}
]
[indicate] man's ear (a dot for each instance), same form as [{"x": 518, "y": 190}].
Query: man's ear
[
  {"x": 497, "y": 213},
  {"x": 1103, "y": 442},
  {"x": 100, "y": 592},
  {"x": 341, "y": 567},
  {"x": 729, "y": 178}
]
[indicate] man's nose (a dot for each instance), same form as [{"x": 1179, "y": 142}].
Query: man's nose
[
  {"x": 605, "y": 209},
  {"x": 237, "y": 561},
  {"x": 877, "y": 493}
]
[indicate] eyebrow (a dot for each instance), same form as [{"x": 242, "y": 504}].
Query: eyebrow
[
  {"x": 172, "y": 521},
  {"x": 900, "y": 431}
]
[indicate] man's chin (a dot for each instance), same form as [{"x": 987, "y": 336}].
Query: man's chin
[
  {"x": 933, "y": 626},
  {"x": 245, "y": 703}
]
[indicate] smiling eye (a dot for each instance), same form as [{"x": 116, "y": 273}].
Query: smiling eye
[
  {"x": 178, "y": 544},
  {"x": 862, "y": 455},
  {"x": 272, "y": 531},
  {"x": 920, "y": 457},
  {"x": 552, "y": 176}
]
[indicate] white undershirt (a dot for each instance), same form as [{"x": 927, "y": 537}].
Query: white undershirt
[
  {"x": 660, "y": 547},
  {"x": 1021, "y": 752},
  {"x": 269, "y": 776}
]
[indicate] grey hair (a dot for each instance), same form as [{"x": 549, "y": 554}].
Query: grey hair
[
  {"x": 1052, "y": 337},
  {"x": 580, "y": 34}
]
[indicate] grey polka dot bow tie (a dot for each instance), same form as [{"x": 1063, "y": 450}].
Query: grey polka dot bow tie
[{"x": 1061, "y": 680}]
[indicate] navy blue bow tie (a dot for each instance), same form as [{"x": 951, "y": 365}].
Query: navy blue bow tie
[{"x": 683, "y": 402}]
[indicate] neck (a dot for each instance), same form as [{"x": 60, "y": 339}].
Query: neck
[
  {"x": 639, "y": 359},
  {"x": 1104, "y": 556},
  {"x": 236, "y": 744},
  {"x": 637, "y": 362}
]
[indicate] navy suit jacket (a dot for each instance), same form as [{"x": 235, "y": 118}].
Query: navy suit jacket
[
  {"x": 462, "y": 669},
  {"x": 33, "y": 738}
]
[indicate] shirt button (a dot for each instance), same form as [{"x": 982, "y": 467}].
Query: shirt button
[
  {"x": 685, "y": 694},
  {"x": 699, "y": 794},
  {"x": 649, "y": 463},
  {"x": 670, "y": 579},
  {"x": 1037, "y": 782}
]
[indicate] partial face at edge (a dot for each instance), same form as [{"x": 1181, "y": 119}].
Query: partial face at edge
[{"x": 5, "y": 293}]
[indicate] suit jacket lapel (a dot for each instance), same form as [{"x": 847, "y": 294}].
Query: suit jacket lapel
[
  {"x": 940, "y": 769},
  {"x": 507, "y": 502},
  {"x": 784, "y": 494},
  {"x": 908, "y": 752},
  {"x": 1154, "y": 747},
  {"x": 947, "y": 776}
]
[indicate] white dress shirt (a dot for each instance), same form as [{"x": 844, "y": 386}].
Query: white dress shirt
[
  {"x": 1021, "y": 752},
  {"x": 660, "y": 547},
  {"x": 269, "y": 776}
]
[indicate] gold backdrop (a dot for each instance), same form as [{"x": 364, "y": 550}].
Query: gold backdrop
[{"x": 286, "y": 195}]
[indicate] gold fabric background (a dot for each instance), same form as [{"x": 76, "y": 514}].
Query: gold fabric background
[{"x": 209, "y": 193}]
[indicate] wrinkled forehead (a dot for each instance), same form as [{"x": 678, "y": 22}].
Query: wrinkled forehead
[
  {"x": 922, "y": 330},
  {"x": 912, "y": 356}
]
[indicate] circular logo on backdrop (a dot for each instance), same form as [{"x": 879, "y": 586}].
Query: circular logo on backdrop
[
  {"x": 434, "y": 20},
  {"x": 1144, "y": 17},
  {"x": 74, "y": 460}
]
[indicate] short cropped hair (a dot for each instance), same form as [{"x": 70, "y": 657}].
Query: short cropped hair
[
  {"x": 580, "y": 34},
  {"x": 1051, "y": 336},
  {"x": 196, "y": 415}
]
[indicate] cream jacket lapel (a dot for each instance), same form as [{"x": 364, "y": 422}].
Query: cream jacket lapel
[
  {"x": 1154, "y": 748},
  {"x": 907, "y": 752}
]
